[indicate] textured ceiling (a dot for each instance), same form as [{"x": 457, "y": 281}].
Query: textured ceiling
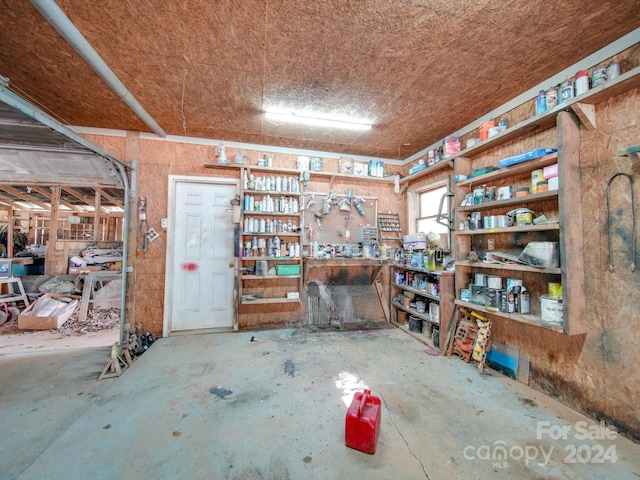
[{"x": 419, "y": 70}]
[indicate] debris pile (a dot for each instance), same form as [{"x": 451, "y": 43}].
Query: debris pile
[{"x": 97, "y": 319}]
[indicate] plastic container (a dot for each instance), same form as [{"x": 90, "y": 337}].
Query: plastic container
[
  {"x": 582, "y": 82},
  {"x": 552, "y": 98},
  {"x": 541, "y": 102},
  {"x": 5, "y": 268},
  {"x": 288, "y": 269},
  {"x": 551, "y": 310},
  {"x": 362, "y": 423}
]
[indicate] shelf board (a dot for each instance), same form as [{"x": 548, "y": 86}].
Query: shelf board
[
  {"x": 294, "y": 171},
  {"x": 249, "y": 213},
  {"x": 416, "y": 291},
  {"x": 267, "y": 277},
  {"x": 276, "y": 259},
  {"x": 422, "y": 270},
  {"x": 511, "y": 171},
  {"x": 441, "y": 165},
  {"x": 527, "y": 228},
  {"x": 518, "y": 317},
  {"x": 263, "y": 234},
  {"x": 536, "y": 197},
  {"x": 413, "y": 311},
  {"x": 259, "y": 301},
  {"x": 281, "y": 193},
  {"x": 508, "y": 266},
  {"x": 625, "y": 82}
]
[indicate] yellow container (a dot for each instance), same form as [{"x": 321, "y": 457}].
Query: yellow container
[
  {"x": 536, "y": 176},
  {"x": 555, "y": 290}
]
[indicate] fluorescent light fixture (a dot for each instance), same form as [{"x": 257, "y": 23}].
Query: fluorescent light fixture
[{"x": 317, "y": 121}]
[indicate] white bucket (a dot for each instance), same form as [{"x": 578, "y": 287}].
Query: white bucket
[
  {"x": 551, "y": 309},
  {"x": 303, "y": 162}
]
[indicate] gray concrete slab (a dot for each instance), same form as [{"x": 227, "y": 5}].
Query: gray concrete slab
[{"x": 218, "y": 406}]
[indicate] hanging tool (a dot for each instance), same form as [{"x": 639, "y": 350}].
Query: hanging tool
[{"x": 633, "y": 221}]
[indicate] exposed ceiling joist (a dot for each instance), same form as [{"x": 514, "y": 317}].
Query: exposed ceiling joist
[
  {"x": 24, "y": 197},
  {"x": 47, "y": 194}
]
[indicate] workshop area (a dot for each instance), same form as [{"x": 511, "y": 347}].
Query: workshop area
[{"x": 335, "y": 239}]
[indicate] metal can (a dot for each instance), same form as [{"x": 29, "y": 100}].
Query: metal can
[
  {"x": 598, "y": 76},
  {"x": 541, "y": 102},
  {"x": 566, "y": 91},
  {"x": 524, "y": 302},
  {"x": 552, "y": 98}
]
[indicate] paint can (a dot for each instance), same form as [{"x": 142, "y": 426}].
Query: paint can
[
  {"x": 524, "y": 218},
  {"x": 502, "y": 221},
  {"x": 505, "y": 193},
  {"x": 523, "y": 303},
  {"x": 415, "y": 324},
  {"x": 551, "y": 309},
  {"x": 494, "y": 281},
  {"x": 481, "y": 279},
  {"x": 522, "y": 191},
  {"x": 555, "y": 290},
  {"x": 421, "y": 307},
  {"x": 598, "y": 76},
  {"x": 492, "y": 299},
  {"x": 536, "y": 176}
]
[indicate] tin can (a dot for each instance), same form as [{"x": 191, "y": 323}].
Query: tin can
[
  {"x": 552, "y": 98},
  {"x": 524, "y": 303},
  {"x": 598, "y": 76},
  {"x": 582, "y": 82},
  {"x": 566, "y": 91}
]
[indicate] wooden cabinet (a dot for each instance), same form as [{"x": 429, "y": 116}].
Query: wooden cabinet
[
  {"x": 270, "y": 239},
  {"x": 389, "y": 227},
  {"x": 475, "y": 248},
  {"x": 424, "y": 294}
]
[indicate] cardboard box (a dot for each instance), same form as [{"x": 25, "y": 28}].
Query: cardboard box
[{"x": 28, "y": 320}]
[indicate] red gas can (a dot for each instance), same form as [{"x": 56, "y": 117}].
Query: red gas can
[{"x": 362, "y": 425}]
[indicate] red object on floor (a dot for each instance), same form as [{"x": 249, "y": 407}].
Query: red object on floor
[{"x": 362, "y": 425}]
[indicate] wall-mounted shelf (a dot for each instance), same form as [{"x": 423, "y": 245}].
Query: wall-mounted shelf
[
  {"x": 293, "y": 171},
  {"x": 511, "y": 171},
  {"x": 536, "y": 197},
  {"x": 518, "y": 317},
  {"x": 516, "y": 267},
  {"x": 436, "y": 167},
  {"x": 526, "y": 228}
]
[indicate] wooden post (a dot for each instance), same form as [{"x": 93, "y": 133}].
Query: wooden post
[
  {"x": 96, "y": 214},
  {"x": 10, "y": 233},
  {"x": 571, "y": 232},
  {"x": 50, "y": 256},
  {"x": 132, "y": 157}
]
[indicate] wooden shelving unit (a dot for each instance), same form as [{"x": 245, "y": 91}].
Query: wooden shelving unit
[{"x": 389, "y": 227}]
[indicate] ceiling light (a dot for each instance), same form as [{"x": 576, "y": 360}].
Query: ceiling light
[{"x": 318, "y": 121}]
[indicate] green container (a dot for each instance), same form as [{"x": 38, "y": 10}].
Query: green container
[{"x": 288, "y": 269}]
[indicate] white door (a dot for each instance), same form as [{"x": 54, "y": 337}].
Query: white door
[{"x": 200, "y": 261}]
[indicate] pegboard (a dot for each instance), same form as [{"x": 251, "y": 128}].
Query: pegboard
[{"x": 332, "y": 227}]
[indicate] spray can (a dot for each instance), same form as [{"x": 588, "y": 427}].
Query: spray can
[{"x": 541, "y": 102}]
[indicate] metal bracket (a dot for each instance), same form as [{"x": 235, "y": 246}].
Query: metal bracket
[{"x": 450, "y": 221}]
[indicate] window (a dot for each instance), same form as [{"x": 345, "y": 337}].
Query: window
[{"x": 424, "y": 203}]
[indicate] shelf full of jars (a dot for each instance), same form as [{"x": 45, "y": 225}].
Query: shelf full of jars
[{"x": 270, "y": 238}]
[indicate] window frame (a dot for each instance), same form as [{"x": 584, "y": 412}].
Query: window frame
[{"x": 413, "y": 205}]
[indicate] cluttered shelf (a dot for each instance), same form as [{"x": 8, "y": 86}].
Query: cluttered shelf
[
  {"x": 416, "y": 291},
  {"x": 423, "y": 316},
  {"x": 509, "y": 266},
  {"x": 518, "y": 317},
  {"x": 511, "y": 171},
  {"x": 436, "y": 167},
  {"x": 536, "y": 197},
  {"x": 525, "y": 228}
]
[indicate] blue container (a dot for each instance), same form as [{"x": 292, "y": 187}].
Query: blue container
[{"x": 541, "y": 102}]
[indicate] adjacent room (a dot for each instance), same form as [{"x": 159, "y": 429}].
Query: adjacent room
[{"x": 330, "y": 239}]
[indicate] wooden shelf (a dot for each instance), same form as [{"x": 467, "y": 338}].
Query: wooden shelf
[
  {"x": 413, "y": 311},
  {"x": 275, "y": 259},
  {"x": 294, "y": 171},
  {"x": 267, "y": 277},
  {"x": 278, "y": 234},
  {"x": 508, "y": 266},
  {"x": 511, "y": 171},
  {"x": 436, "y": 167},
  {"x": 422, "y": 270},
  {"x": 416, "y": 291},
  {"x": 518, "y": 317},
  {"x": 527, "y": 228},
  {"x": 260, "y": 301},
  {"x": 536, "y": 197},
  {"x": 249, "y": 213},
  {"x": 625, "y": 82}
]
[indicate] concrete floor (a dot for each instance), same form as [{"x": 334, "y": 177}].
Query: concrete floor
[{"x": 218, "y": 406}]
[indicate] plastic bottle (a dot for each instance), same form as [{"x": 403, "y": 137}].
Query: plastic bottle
[
  {"x": 552, "y": 98},
  {"x": 541, "y": 102},
  {"x": 582, "y": 82},
  {"x": 502, "y": 125}
]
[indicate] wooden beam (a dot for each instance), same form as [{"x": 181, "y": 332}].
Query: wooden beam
[
  {"x": 10, "y": 235},
  {"x": 586, "y": 113},
  {"x": 23, "y": 196},
  {"x": 50, "y": 255},
  {"x": 114, "y": 200},
  {"x": 44, "y": 193},
  {"x": 571, "y": 245},
  {"x": 79, "y": 196}
]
